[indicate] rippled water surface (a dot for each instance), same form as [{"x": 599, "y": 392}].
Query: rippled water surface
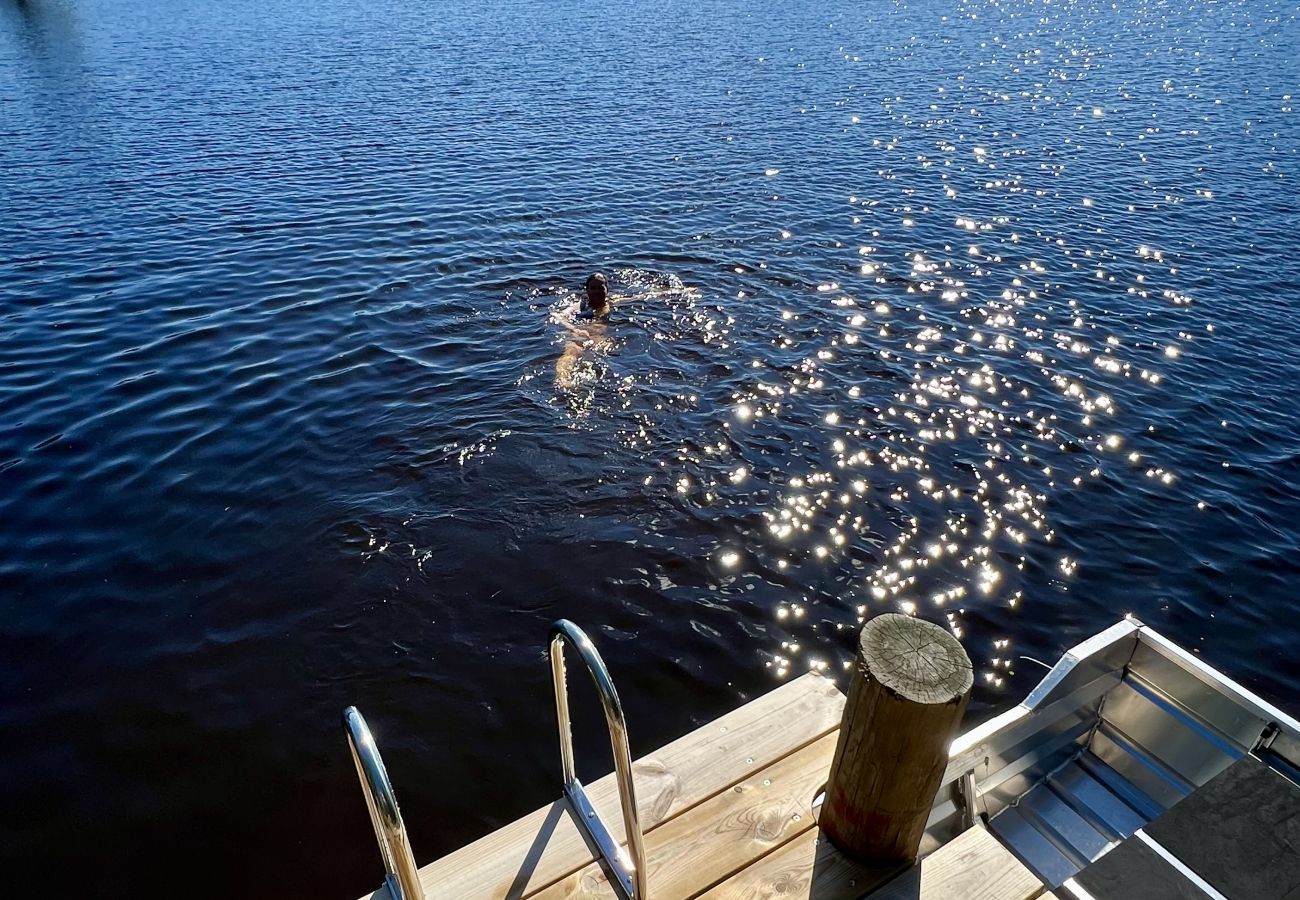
[{"x": 993, "y": 321}]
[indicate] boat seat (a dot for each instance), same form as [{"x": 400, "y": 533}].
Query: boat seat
[{"x": 1238, "y": 838}]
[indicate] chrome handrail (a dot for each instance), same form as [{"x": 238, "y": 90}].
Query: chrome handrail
[
  {"x": 401, "y": 875},
  {"x": 630, "y": 874}
]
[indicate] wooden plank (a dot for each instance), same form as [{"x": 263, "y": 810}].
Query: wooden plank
[
  {"x": 806, "y": 868},
  {"x": 707, "y": 844},
  {"x": 973, "y": 866},
  {"x": 545, "y": 845}
]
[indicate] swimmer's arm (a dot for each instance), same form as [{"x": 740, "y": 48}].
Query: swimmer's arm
[
  {"x": 657, "y": 292},
  {"x": 572, "y": 329}
]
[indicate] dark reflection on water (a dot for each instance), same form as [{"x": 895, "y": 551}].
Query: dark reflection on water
[{"x": 993, "y": 321}]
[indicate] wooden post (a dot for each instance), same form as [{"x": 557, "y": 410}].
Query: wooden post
[{"x": 910, "y": 686}]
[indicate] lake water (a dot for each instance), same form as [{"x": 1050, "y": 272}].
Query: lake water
[{"x": 995, "y": 322}]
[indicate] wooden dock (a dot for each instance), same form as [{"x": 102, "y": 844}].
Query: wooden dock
[
  {"x": 1132, "y": 770},
  {"x": 727, "y": 813}
]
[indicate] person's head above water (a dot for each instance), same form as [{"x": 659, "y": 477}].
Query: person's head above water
[{"x": 597, "y": 293}]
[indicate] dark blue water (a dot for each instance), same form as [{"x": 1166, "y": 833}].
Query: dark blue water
[{"x": 995, "y": 322}]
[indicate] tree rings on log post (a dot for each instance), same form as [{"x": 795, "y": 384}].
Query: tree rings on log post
[{"x": 909, "y": 689}]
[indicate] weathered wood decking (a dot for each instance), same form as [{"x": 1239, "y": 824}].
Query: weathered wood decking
[{"x": 727, "y": 812}]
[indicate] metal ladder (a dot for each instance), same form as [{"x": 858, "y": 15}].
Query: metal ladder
[{"x": 625, "y": 865}]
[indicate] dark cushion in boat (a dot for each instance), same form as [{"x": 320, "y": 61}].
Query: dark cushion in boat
[
  {"x": 1240, "y": 832},
  {"x": 1134, "y": 870}
]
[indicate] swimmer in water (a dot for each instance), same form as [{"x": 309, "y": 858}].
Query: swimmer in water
[
  {"x": 596, "y": 306},
  {"x": 595, "y": 309}
]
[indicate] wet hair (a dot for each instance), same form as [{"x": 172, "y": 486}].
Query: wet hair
[{"x": 597, "y": 285}]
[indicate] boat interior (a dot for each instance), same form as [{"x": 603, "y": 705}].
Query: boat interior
[{"x": 1125, "y": 726}]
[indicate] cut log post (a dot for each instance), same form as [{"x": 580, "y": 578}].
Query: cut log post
[{"x": 910, "y": 686}]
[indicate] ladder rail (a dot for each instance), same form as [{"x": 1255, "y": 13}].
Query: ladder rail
[
  {"x": 628, "y": 865},
  {"x": 401, "y": 875}
]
